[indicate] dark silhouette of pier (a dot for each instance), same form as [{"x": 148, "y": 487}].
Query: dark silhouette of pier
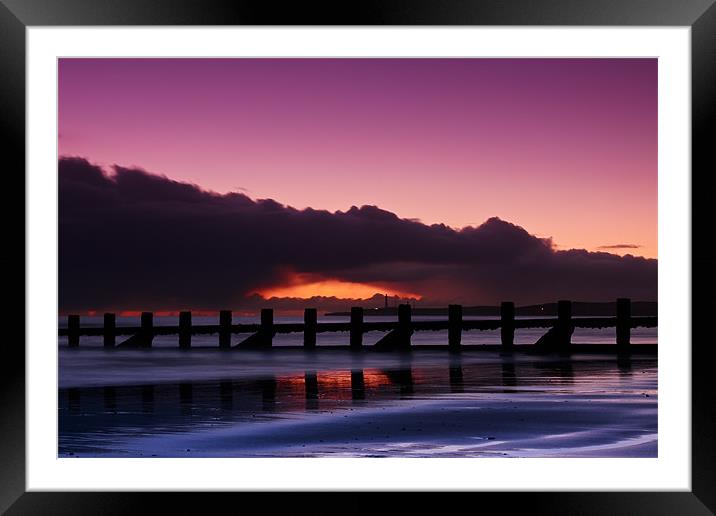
[{"x": 398, "y": 333}]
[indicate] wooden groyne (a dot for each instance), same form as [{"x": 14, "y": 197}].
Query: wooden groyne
[{"x": 398, "y": 333}]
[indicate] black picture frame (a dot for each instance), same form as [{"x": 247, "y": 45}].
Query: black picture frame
[{"x": 699, "y": 15}]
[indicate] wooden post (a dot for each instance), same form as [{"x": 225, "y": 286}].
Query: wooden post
[
  {"x": 404, "y": 314},
  {"x": 225, "y": 329},
  {"x": 185, "y": 330},
  {"x": 404, "y": 317},
  {"x": 623, "y": 321},
  {"x": 263, "y": 338},
  {"x": 564, "y": 323},
  {"x": 110, "y": 325},
  {"x": 147, "y": 329},
  {"x": 507, "y": 324},
  {"x": 73, "y": 331},
  {"x": 266, "y": 329},
  {"x": 399, "y": 338},
  {"x": 310, "y": 320},
  {"x": 356, "y": 338},
  {"x": 454, "y": 325}
]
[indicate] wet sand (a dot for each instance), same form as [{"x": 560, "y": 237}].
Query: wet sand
[{"x": 173, "y": 404}]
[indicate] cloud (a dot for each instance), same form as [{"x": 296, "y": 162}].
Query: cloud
[
  {"x": 134, "y": 240},
  {"x": 620, "y": 246}
]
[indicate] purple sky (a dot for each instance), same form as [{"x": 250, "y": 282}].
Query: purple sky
[{"x": 566, "y": 148}]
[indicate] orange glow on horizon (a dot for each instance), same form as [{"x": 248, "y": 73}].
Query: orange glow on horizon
[{"x": 333, "y": 288}]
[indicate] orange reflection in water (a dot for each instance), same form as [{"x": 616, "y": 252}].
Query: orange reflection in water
[
  {"x": 372, "y": 378},
  {"x": 338, "y": 379}
]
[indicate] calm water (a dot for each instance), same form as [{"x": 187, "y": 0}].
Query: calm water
[{"x": 294, "y": 403}]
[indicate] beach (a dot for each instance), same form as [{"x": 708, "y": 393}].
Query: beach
[{"x": 294, "y": 403}]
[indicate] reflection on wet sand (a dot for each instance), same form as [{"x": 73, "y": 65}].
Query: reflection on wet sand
[
  {"x": 147, "y": 398},
  {"x": 357, "y": 385},
  {"x": 268, "y": 389},
  {"x": 305, "y": 390},
  {"x": 110, "y": 399},
  {"x": 186, "y": 392},
  {"x": 186, "y": 397},
  {"x": 624, "y": 365},
  {"x": 559, "y": 372},
  {"x": 73, "y": 400},
  {"x": 509, "y": 376},
  {"x": 226, "y": 394},
  {"x": 456, "y": 379},
  {"x": 90, "y": 417},
  {"x": 311, "y": 384},
  {"x": 403, "y": 378}
]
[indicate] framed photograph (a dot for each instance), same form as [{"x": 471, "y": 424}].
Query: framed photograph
[{"x": 445, "y": 248}]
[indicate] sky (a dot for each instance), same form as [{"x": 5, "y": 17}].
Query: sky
[{"x": 565, "y": 149}]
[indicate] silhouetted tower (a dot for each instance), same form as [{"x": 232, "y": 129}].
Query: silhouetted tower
[{"x": 386, "y": 300}]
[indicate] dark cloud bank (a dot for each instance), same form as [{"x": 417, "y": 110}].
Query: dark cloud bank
[
  {"x": 132, "y": 240},
  {"x": 620, "y": 246}
]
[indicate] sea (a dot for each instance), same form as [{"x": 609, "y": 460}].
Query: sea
[{"x": 167, "y": 402}]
